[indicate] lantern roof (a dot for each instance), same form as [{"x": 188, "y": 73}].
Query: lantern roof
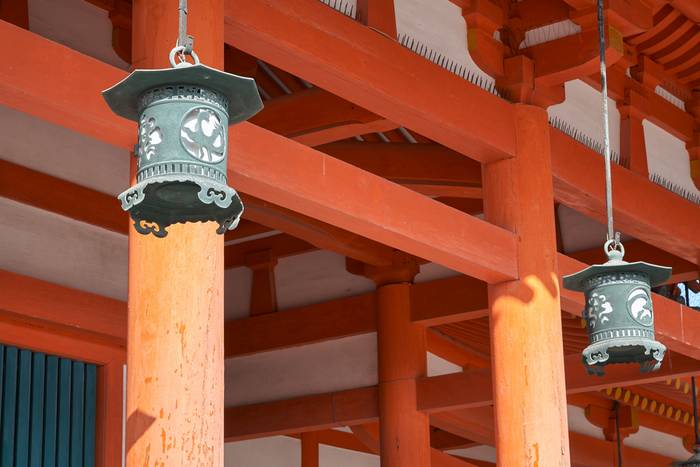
[
  {"x": 241, "y": 92},
  {"x": 657, "y": 274}
]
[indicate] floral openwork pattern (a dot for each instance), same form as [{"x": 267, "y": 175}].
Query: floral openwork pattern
[{"x": 203, "y": 136}]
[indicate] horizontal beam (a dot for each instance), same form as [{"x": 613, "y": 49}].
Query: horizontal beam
[
  {"x": 301, "y": 414},
  {"x": 270, "y": 167},
  {"x": 636, "y": 250},
  {"x": 304, "y": 180},
  {"x": 72, "y": 308},
  {"x": 466, "y": 390},
  {"x": 435, "y": 302},
  {"x": 280, "y": 246},
  {"x": 406, "y": 163},
  {"x": 642, "y": 209},
  {"x": 314, "y": 117},
  {"x": 324, "y": 47},
  {"x": 361, "y": 66},
  {"x": 585, "y": 450}
]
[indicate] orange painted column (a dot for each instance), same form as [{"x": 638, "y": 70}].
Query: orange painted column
[
  {"x": 309, "y": 449},
  {"x": 526, "y": 338},
  {"x": 175, "y": 381},
  {"x": 404, "y": 432}
]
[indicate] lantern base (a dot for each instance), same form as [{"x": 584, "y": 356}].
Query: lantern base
[
  {"x": 158, "y": 202},
  {"x": 647, "y": 352}
]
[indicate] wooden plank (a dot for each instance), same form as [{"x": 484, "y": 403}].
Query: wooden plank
[
  {"x": 64, "y": 413},
  {"x": 325, "y": 48},
  {"x": 90, "y": 415},
  {"x": 51, "y": 413},
  {"x": 37, "y": 415},
  {"x": 9, "y": 406},
  {"x": 24, "y": 391},
  {"x": 77, "y": 413}
]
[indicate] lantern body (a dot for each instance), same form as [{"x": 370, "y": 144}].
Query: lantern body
[
  {"x": 619, "y": 313},
  {"x": 183, "y": 116}
]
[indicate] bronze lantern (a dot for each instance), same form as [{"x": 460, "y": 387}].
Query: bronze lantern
[
  {"x": 183, "y": 115},
  {"x": 619, "y": 314}
]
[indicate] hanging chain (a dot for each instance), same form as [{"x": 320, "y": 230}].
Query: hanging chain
[
  {"x": 617, "y": 433},
  {"x": 185, "y": 42},
  {"x": 612, "y": 237}
]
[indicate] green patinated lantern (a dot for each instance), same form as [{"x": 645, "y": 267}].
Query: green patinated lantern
[
  {"x": 183, "y": 115},
  {"x": 619, "y": 313}
]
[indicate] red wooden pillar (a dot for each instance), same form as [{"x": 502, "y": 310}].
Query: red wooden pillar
[
  {"x": 175, "y": 387},
  {"x": 404, "y": 432},
  {"x": 526, "y": 337},
  {"x": 309, "y": 449}
]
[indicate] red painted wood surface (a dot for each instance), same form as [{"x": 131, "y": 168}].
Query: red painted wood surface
[
  {"x": 526, "y": 332},
  {"x": 175, "y": 386}
]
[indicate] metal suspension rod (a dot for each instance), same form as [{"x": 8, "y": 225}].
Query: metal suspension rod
[
  {"x": 695, "y": 411},
  {"x": 183, "y": 39},
  {"x": 617, "y": 430},
  {"x": 606, "y": 125}
]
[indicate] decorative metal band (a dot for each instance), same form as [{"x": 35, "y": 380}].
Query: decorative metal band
[
  {"x": 181, "y": 168},
  {"x": 183, "y": 92},
  {"x": 632, "y": 278},
  {"x": 618, "y": 333}
]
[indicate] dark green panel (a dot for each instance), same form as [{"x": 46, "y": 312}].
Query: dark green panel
[
  {"x": 77, "y": 414},
  {"x": 2, "y": 372},
  {"x": 36, "y": 436},
  {"x": 24, "y": 387},
  {"x": 64, "y": 413},
  {"x": 9, "y": 409},
  {"x": 51, "y": 411},
  {"x": 90, "y": 414}
]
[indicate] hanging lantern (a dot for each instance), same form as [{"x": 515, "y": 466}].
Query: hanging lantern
[
  {"x": 183, "y": 115},
  {"x": 619, "y": 314}
]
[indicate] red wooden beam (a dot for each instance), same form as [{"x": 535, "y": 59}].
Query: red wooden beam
[
  {"x": 643, "y": 209},
  {"x": 636, "y": 250},
  {"x": 357, "y": 64},
  {"x": 304, "y": 180},
  {"x": 407, "y": 163},
  {"x": 326, "y": 47},
  {"x": 280, "y": 246},
  {"x": 271, "y": 167},
  {"x": 314, "y": 116},
  {"x": 61, "y": 197},
  {"x": 89, "y": 313},
  {"x": 447, "y": 393}
]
